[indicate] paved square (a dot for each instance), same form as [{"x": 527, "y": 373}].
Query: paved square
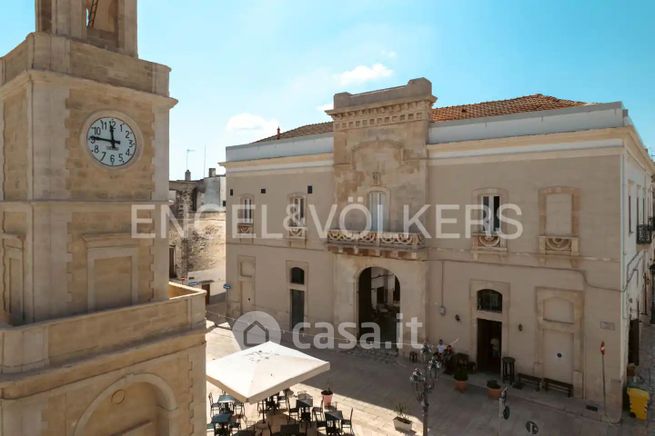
[{"x": 372, "y": 387}]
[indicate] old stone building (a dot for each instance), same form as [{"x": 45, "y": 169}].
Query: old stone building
[
  {"x": 576, "y": 276},
  {"x": 197, "y": 237},
  {"x": 93, "y": 338}
]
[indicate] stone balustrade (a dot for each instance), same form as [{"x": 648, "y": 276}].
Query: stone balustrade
[{"x": 391, "y": 244}]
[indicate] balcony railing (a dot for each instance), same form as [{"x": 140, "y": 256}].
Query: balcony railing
[
  {"x": 297, "y": 233},
  {"x": 651, "y": 223},
  {"x": 376, "y": 243},
  {"x": 644, "y": 234},
  {"x": 559, "y": 245},
  {"x": 488, "y": 242},
  {"x": 245, "y": 230}
]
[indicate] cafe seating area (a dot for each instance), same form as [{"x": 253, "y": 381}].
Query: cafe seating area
[{"x": 285, "y": 413}]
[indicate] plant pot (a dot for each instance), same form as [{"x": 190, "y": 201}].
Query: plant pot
[
  {"x": 494, "y": 393},
  {"x": 327, "y": 399},
  {"x": 461, "y": 385},
  {"x": 402, "y": 425}
]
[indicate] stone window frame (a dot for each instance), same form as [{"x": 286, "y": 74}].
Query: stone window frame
[
  {"x": 296, "y": 286},
  {"x": 110, "y": 246},
  {"x": 567, "y": 245},
  {"x": 504, "y": 289},
  {"x": 386, "y": 220},
  {"x": 478, "y": 194},
  {"x": 480, "y": 241},
  {"x": 630, "y": 227},
  {"x": 576, "y": 298},
  {"x": 575, "y": 207},
  {"x": 290, "y": 201},
  {"x": 244, "y": 209}
]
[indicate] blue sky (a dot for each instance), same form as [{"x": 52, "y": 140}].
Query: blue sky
[{"x": 240, "y": 69}]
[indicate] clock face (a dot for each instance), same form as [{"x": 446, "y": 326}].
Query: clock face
[{"x": 111, "y": 141}]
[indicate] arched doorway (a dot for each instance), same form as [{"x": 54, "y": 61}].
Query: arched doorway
[
  {"x": 378, "y": 303},
  {"x": 140, "y": 404}
]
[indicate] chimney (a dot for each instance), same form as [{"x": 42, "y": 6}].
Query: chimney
[
  {"x": 278, "y": 132},
  {"x": 187, "y": 175},
  {"x": 212, "y": 172}
]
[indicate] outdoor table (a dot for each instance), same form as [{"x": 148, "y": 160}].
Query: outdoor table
[
  {"x": 304, "y": 403},
  {"x": 226, "y": 399},
  {"x": 222, "y": 419},
  {"x": 333, "y": 421}
]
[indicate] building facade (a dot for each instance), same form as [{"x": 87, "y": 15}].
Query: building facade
[
  {"x": 94, "y": 340},
  {"x": 197, "y": 238},
  {"x": 576, "y": 276}
]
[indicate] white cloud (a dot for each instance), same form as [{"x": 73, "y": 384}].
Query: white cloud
[
  {"x": 252, "y": 123},
  {"x": 362, "y": 73},
  {"x": 389, "y": 54},
  {"x": 324, "y": 107}
]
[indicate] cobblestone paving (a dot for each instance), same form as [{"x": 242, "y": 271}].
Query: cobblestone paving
[{"x": 372, "y": 385}]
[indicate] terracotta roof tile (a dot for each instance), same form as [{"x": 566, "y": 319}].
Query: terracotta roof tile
[
  {"x": 309, "y": 129},
  {"x": 528, "y": 103}
]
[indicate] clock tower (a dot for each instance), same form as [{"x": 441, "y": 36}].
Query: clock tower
[{"x": 93, "y": 338}]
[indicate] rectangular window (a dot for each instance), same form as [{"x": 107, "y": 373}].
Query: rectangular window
[
  {"x": 638, "y": 214},
  {"x": 630, "y": 213},
  {"x": 490, "y": 213},
  {"x": 297, "y": 212},
  {"x": 376, "y": 206},
  {"x": 247, "y": 210}
]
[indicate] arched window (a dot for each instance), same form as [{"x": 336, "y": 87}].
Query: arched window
[
  {"x": 490, "y": 301},
  {"x": 297, "y": 276}
]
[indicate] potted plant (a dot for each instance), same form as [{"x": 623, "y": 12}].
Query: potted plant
[
  {"x": 461, "y": 378},
  {"x": 493, "y": 389},
  {"x": 327, "y": 396},
  {"x": 401, "y": 422}
]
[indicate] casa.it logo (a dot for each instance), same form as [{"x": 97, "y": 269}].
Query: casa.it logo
[{"x": 255, "y": 328}]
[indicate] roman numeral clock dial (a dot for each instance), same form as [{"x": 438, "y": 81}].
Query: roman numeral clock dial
[{"x": 111, "y": 141}]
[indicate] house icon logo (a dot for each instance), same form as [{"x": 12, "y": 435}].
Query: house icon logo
[{"x": 255, "y": 328}]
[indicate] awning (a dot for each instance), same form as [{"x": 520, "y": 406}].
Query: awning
[{"x": 254, "y": 374}]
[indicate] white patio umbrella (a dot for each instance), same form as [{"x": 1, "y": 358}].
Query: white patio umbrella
[{"x": 254, "y": 374}]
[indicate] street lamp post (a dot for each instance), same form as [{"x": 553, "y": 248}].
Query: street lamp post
[{"x": 424, "y": 381}]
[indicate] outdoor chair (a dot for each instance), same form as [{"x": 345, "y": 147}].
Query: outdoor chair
[
  {"x": 293, "y": 413},
  {"x": 319, "y": 419},
  {"x": 212, "y": 404},
  {"x": 317, "y": 408},
  {"x": 348, "y": 422}
]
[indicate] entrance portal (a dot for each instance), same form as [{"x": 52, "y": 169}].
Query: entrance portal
[
  {"x": 489, "y": 345},
  {"x": 379, "y": 303},
  {"x": 633, "y": 342}
]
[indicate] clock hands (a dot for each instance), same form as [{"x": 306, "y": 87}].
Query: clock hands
[{"x": 112, "y": 141}]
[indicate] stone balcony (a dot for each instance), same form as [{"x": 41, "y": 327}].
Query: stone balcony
[
  {"x": 56, "y": 342},
  {"x": 483, "y": 243},
  {"x": 299, "y": 233},
  {"x": 399, "y": 245},
  {"x": 559, "y": 245}
]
